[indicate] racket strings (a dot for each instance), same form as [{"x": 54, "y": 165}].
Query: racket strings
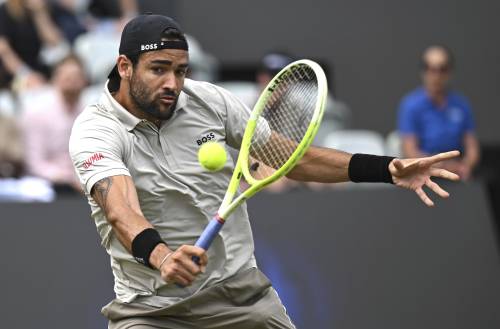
[
  {"x": 286, "y": 126},
  {"x": 287, "y": 115},
  {"x": 286, "y": 119},
  {"x": 288, "y": 129}
]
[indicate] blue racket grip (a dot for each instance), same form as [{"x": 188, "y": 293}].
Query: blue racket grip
[{"x": 208, "y": 235}]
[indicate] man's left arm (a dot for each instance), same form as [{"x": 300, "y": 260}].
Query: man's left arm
[{"x": 332, "y": 166}]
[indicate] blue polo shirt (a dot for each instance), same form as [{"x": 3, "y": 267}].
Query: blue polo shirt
[{"x": 438, "y": 129}]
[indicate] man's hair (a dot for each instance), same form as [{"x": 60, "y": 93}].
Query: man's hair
[{"x": 450, "y": 58}]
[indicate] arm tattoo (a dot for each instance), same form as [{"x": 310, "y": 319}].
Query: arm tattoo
[{"x": 101, "y": 190}]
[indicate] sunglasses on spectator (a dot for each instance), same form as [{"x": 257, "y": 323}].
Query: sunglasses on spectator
[{"x": 442, "y": 69}]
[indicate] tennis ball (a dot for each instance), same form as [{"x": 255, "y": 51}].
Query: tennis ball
[{"x": 212, "y": 156}]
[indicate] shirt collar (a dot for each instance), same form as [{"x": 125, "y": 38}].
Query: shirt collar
[
  {"x": 129, "y": 120},
  {"x": 431, "y": 103}
]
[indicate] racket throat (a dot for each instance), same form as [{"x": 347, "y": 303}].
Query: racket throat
[{"x": 219, "y": 219}]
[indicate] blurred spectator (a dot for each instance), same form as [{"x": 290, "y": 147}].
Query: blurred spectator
[
  {"x": 105, "y": 20},
  {"x": 336, "y": 117},
  {"x": 114, "y": 9},
  {"x": 337, "y": 114},
  {"x": 65, "y": 15},
  {"x": 47, "y": 126},
  {"x": 30, "y": 40},
  {"x": 111, "y": 14},
  {"x": 202, "y": 65},
  {"x": 434, "y": 119},
  {"x": 14, "y": 186},
  {"x": 270, "y": 65},
  {"x": 11, "y": 148}
]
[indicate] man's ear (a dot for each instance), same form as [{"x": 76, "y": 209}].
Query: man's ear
[{"x": 124, "y": 67}]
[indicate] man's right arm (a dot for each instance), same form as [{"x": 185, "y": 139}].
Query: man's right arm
[
  {"x": 117, "y": 197},
  {"x": 98, "y": 147}
]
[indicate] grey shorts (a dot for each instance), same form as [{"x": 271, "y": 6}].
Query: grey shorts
[{"x": 244, "y": 301}]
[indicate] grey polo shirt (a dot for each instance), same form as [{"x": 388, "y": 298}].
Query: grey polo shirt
[{"x": 176, "y": 194}]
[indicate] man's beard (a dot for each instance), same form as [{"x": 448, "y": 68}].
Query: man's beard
[{"x": 141, "y": 94}]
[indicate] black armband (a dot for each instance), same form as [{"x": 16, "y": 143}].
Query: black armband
[
  {"x": 144, "y": 243},
  {"x": 370, "y": 168}
]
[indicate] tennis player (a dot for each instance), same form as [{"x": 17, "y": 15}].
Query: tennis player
[{"x": 135, "y": 153}]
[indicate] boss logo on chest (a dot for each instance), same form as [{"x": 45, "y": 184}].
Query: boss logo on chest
[{"x": 206, "y": 138}]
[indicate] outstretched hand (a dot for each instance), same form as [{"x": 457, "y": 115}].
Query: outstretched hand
[{"x": 413, "y": 174}]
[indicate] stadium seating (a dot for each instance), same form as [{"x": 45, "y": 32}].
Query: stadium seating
[
  {"x": 356, "y": 141},
  {"x": 98, "y": 51},
  {"x": 393, "y": 144}
]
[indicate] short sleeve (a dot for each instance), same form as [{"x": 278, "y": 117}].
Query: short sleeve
[
  {"x": 407, "y": 121},
  {"x": 97, "y": 149},
  {"x": 237, "y": 115}
]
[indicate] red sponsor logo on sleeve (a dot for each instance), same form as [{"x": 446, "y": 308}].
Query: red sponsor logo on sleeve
[{"x": 92, "y": 159}]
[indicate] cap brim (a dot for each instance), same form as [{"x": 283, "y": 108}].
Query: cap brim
[
  {"x": 114, "y": 73},
  {"x": 114, "y": 79}
]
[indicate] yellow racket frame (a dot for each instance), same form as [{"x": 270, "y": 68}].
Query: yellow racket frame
[{"x": 242, "y": 170}]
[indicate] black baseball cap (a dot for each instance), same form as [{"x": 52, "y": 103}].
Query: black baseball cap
[{"x": 145, "y": 33}]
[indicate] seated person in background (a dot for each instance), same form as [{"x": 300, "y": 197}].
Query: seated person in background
[
  {"x": 47, "y": 126},
  {"x": 11, "y": 148},
  {"x": 30, "y": 42},
  {"x": 270, "y": 65},
  {"x": 202, "y": 65},
  {"x": 66, "y": 16},
  {"x": 337, "y": 114},
  {"x": 111, "y": 13},
  {"x": 434, "y": 119}
]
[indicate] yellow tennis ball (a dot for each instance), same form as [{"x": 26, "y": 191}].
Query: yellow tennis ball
[{"x": 212, "y": 156}]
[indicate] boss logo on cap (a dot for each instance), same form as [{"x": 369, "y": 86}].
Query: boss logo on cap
[{"x": 149, "y": 46}]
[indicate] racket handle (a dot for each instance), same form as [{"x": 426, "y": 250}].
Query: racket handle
[{"x": 208, "y": 235}]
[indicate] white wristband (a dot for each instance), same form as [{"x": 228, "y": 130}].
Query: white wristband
[{"x": 165, "y": 259}]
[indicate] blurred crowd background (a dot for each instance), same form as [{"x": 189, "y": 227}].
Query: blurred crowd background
[{"x": 406, "y": 78}]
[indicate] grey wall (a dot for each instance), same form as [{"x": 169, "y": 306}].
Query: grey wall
[
  {"x": 54, "y": 273},
  {"x": 378, "y": 258},
  {"x": 341, "y": 259},
  {"x": 373, "y": 44}
]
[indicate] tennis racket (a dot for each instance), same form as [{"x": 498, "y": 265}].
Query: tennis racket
[{"x": 280, "y": 129}]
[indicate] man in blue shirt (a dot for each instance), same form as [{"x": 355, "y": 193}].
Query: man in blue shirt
[{"x": 434, "y": 119}]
